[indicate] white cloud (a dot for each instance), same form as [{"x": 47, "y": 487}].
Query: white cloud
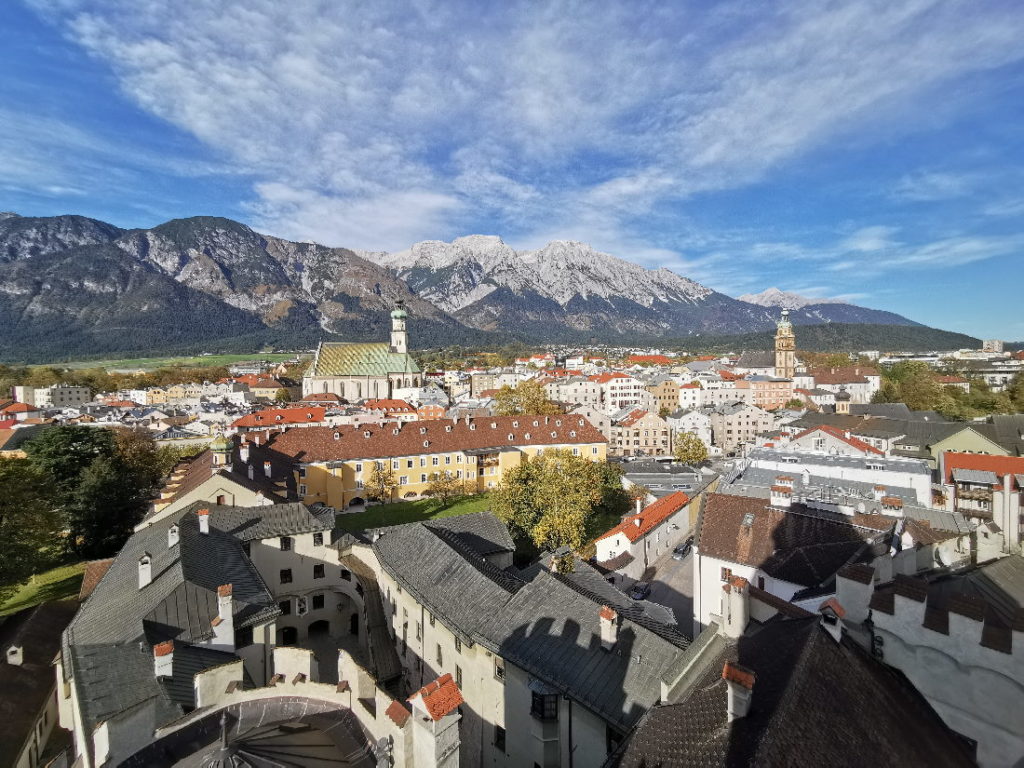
[
  {"x": 934, "y": 185},
  {"x": 550, "y": 118}
]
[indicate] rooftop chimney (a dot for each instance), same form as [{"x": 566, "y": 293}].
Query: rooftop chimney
[
  {"x": 163, "y": 659},
  {"x": 609, "y": 627},
  {"x": 266, "y": 468},
  {"x": 736, "y": 606},
  {"x": 15, "y": 655},
  {"x": 224, "y": 624},
  {"x": 145, "y": 569},
  {"x": 879, "y": 492},
  {"x": 740, "y": 682},
  {"x": 243, "y": 452},
  {"x": 172, "y": 535},
  {"x": 832, "y": 614},
  {"x": 204, "y": 521}
]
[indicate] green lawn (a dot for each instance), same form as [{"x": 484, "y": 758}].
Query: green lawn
[
  {"x": 57, "y": 584},
  {"x": 410, "y": 511},
  {"x": 195, "y": 361}
]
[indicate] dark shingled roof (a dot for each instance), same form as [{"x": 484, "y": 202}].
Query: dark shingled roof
[
  {"x": 816, "y": 702},
  {"x": 800, "y": 546},
  {"x": 24, "y": 688},
  {"x": 543, "y": 625}
]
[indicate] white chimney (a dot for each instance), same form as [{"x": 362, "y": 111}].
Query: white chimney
[
  {"x": 224, "y": 623},
  {"x": 740, "y": 682},
  {"x": 735, "y": 606},
  {"x": 204, "y": 521},
  {"x": 266, "y": 468},
  {"x": 243, "y": 452},
  {"x": 609, "y": 627},
  {"x": 878, "y": 492},
  {"x": 15, "y": 655},
  {"x": 172, "y": 535},
  {"x": 145, "y": 569},
  {"x": 163, "y": 659},
  {"x": 250, "y": 472}
]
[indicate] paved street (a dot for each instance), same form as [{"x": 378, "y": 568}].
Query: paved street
[{"x": 673, "y": 587}]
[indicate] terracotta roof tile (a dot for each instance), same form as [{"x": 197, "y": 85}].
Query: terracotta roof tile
[
  {"x": 635, "y": 527},
  {"x": 737, "y": 673},
  {"x": 399, "y": 715},
  {"x": 271, "y": 417},
  {"x": 440, "y": 697},
  {"x": 314, "y": 444},
  {"x": 839, "y": 434},
  {"x": 94, "y": 571}
]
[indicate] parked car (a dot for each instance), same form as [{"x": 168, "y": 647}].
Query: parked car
[
  {"x": 680, "y": 552},
  {"x": 640, "y": 590}
]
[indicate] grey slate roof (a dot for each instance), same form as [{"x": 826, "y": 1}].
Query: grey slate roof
[
  {"x": 545, "y": 626},
  {"x": 756, "y": 359},
  {"x": 816, "y": 702},
  {"x": 119, "y": 623},
  {"x": 961, "y": 475}
]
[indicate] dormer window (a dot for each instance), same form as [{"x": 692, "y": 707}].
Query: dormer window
[
  {"x": 536, "y": 423},
  {"x": 472, "y": 427},
  {"x": 554, "y": 434},
  {"x": 426, "y": 443},
  {"x": 278, "y": 417},
  {"x": 448, "y": 428},
  {"x": 526, "y": 436},
  {"x": 366, "y": 433},
  {"x": 515, "y": 425},
  {"x": 337, "y": 435},
  {"x": 511, "y": 437},
  {"x": 493, "y": 425}
]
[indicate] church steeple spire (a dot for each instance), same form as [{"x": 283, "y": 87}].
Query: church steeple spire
[{"x": 785, "y": 347}]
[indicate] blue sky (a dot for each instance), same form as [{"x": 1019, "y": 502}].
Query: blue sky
[{"x": 868, "y": 150}]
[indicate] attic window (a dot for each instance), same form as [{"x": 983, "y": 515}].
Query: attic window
[
  {"x": 511, "y": 437},
  {"x": 472, "y": 427},
  {"x": 526, "y": 436},
  {"x": 426, "y": 443},
  {"x": 494, "y": 425},
  {"x": 748, "y": 519},
  {"x": 395, "y": 431},
  {"x": 366, "y": 433},
  {"x": 515, "y": 425},
  {"x": 554, "y": 434},
  {"x": 309, "y": 415},
  {"x": 423, "y": 430},
  {"x": 558, "y": 422},
  {"x": 337, "y": 435},
  {"x": 448, "y": 428},
  {"x": 572, "y": 433},
  {"x": 536, "y": 423},
  {"x": 581, "y": 422}
]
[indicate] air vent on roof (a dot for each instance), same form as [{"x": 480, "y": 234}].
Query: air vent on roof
[
  {"x": 558, "y": 422},
  {"x": 536, "y": 423},
  {"x": 581, "y": 422},
  {"x": 396, "y": 431},
  {"x": 572, "y": 433},
  {"x": 426, "y": 443},
  {"x": 337, "y": 435},
  {"x": 494, "y": 425},
  {"x": 366, "y": 433},
  {"x": 423, "y": 430},
  {"x": 526, "y": 436},
  {"x": 472, "y": 427},
  {"x": 511, "y": 437},
  {"x": 448, "y": 428},
  {"x": 554, "y": 434}
]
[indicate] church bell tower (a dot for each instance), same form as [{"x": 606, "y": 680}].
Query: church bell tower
[
  {"x": 399, "y": 337},
  {"x": 785, "y": 348}
]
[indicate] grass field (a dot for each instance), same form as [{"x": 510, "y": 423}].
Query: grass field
[
  {"x": 410, "y": 512},
  {"x": 57, "y": 584},
  {"x": 196, "y": 361}
]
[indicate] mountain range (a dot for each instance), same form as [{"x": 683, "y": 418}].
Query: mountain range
[{"x": 74, "y": 287}]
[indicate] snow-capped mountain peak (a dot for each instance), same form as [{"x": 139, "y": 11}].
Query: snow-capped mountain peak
[{"x": 773, "y": 297}]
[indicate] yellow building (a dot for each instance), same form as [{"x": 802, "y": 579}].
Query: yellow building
[{"x": 333, "y": 465}]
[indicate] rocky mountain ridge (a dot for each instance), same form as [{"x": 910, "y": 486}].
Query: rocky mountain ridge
[{"x": 74, "y": 286}]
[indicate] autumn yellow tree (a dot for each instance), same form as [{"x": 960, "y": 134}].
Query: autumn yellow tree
[
  {"x": 690, "y": 449},
  {"x": 444, "y": 487},
  {"x": 382, "y": 482},
  {"x": 527, "y": 398},
  {"x": 551, "y": 498}
]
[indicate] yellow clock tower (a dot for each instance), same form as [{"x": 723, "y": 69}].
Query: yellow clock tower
[{"x": 785, "y": 348}]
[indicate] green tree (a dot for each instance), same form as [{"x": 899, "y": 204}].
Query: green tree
[
  {"x": 527, "y": 398},
  {"x": 551, "y": 498},
  {"x": 282, "y": 396},
  {"x": 664, "y": 412},
  {"x": 65, "y": 451},
  {"x": 795, "y": 404},
  {"x": 167, "y": 456},
  {"x": 690, "y": 449},
  {"x": 1015, "y": 392},
  {"x": 382, "y": 482},
  {"x": 138, "y": 451},
  {"x": 104, "y": 508},
  {"x": 444, "y": 487},
  {"x": 29, "y": 523}
]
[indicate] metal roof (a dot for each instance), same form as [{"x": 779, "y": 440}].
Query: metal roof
[{"x": 357, "y": 359}]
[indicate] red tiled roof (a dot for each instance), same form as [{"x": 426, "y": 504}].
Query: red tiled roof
[
  {"x": 655, "y": 359},
  {"x": 18, "y": 408},
  {"x": 691, "y": 385},
  {"x": 604, "y": 378},
  {"x": 322, "y": 397},
  {"x": 607, "y": 612},
  {"x": 440, "y": 435},
  {"x": 835, "y": 605},
  {"x": 389, "y": 406},
  {"x": 94, "y": 571},
  {"x": 1001, "y": 465},
  {"x": 440, "y": 697},
  {"x": 280, "y": 416},
  {"x": 636, "y": 526},
  {"x": 633, "y": 417},
  {"x": 839, "y": 434},
  {"x": 399, "y": 715},
  {"x": 737, "y": 673}
]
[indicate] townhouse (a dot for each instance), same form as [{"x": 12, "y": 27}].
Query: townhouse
[
  {"x": 333, "y": 465},
  {"x": 638, "y": 432}
]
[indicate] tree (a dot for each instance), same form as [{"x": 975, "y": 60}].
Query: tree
[
  {"x": 29, "y": 523},
  {"x": 65, "y": 451},
  {"x": 527, "y": 398},
  {"x": 551, "y": 498},
  {"x": 382, "y": 482},
  {"x": 795, "y": 404},
  {"x": 664, "y": 412},
  {"x": 138, "y": 452},
  {"x": 690, "y": 449},
  {"x": 104, "y": 508},
  {"x": 444, "y": 487},
  {"x": 282, "y": 396}
]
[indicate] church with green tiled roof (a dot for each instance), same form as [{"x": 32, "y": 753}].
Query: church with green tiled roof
[{"x": 355, "y": 371}]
